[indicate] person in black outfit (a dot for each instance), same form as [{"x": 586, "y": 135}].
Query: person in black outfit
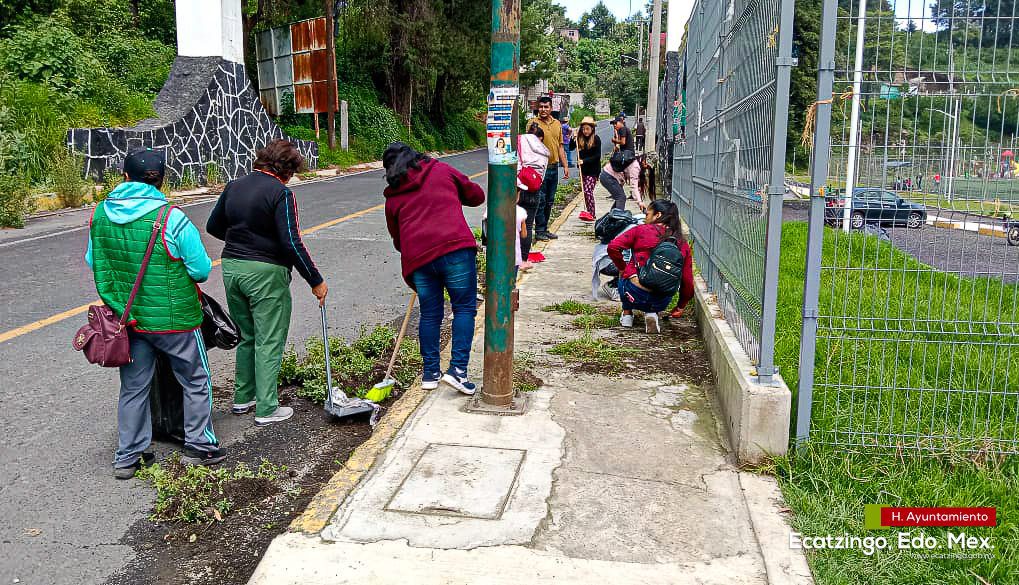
[
  {"x": 639, "y": 131},
  {"x": 589, "y": 145},
  {"x": 623, "y": 139},
  {"x": 257, "y": 217}
]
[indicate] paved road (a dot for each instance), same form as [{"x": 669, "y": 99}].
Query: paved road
[{"x": 63, "y": 513}]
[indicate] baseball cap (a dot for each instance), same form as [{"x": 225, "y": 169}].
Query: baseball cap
[
  {"x": 618, "y": 119},
  {"x": 142, "y": 161}
]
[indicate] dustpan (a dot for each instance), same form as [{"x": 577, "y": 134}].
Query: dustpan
[{"x": 338, "y": 404}]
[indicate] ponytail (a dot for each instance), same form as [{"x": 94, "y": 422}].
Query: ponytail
[{"x": 669, "y": 217}]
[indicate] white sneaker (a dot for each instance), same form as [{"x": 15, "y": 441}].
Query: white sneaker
[
  {"x": 626, "y": 320},
  {"x": 245, "y": 408},
  {"x": 651, "y": 323},
  {"x": 460, "y": 381},
  {"x": 430, "y": 381},
  {"x": 281, "y": 414}
]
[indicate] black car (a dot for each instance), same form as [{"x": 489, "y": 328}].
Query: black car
[{"x": 875, "y": 206}]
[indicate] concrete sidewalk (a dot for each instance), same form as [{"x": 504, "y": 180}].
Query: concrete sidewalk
[{"x": 604, "y": 479}]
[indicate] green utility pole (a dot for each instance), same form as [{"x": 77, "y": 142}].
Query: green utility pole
[{"x": 497, "y": 387}]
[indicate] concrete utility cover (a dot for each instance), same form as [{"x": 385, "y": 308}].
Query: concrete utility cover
[{"x": 456, "y": 480}]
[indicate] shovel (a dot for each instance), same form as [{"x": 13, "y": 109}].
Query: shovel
[
  {"x": 338, "y": 404},
  {"x": 381, "y": 391}
]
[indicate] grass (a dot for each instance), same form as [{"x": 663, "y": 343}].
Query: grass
[
  {"x": 892, "y": 339},
  {"x": 597, "y": 321},
  {"x": 194, "y": 493},
  {"x": 590, "y": 350},
  {"x": 571, "y": 307}
]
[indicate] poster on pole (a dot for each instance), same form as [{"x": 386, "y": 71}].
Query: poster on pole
[{"x": 498, "y": 125}]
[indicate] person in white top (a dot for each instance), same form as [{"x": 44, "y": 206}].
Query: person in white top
[{"x": 534, "y": 154}]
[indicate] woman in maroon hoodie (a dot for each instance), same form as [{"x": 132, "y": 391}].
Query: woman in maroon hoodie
[
  {"x": 424, "y": 214},
  {"x": 662, "y": 222}
]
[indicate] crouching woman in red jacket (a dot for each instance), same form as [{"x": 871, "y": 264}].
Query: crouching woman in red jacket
[
  {"x": 424, "y": 214},
  {"x": 662, "y": 222}
]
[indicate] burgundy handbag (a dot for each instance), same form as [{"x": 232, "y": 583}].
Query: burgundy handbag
[{"x": 104, "y": 339}]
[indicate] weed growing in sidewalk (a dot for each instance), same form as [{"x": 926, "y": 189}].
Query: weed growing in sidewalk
[
  {"x": 194, "y": 493},
  {"x": 524, "y": 379},
  {"x": 590, "y": 350},
  {"x": 599, "y": 320},
  {"x": 356, "y": 366},
  {"x": 571, "y": 307}
]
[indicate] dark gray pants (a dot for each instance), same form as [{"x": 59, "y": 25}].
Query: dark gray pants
[
  {"x": 615, "y": 189},
  {"x": 190, "y": 365}
]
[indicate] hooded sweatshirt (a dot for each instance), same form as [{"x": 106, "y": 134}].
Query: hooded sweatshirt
[
  {"x": 131, "y": 200},
  {"x": 425, "y": 217}
]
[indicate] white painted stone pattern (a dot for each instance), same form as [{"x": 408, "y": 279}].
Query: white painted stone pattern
[{"x": 224, "y": 126}]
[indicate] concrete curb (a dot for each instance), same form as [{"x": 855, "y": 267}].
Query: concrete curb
[
  {"x": 756, "y": 416},
  {"x": 325, "y": 503},
  {"x": 763, "y": 498}
]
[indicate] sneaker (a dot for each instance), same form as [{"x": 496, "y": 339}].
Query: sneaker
[
  {"x": 651, "y": 323},
  {"x": 585, "y": 216},
  {"x": 676, "y": 313},
  {"x": 626, "y": 320},
  {"x": 542, "y": 237},
  {"x": 281, "y": 414},
  {"x": 457, "y": 379},
  {"x": 242, "y": 408},
  {"x": 129, "y": 471},
  {"x": 431, "y": 381},
  {"x": 195, "y": 457},
  {"x": 551, "y": 236}
]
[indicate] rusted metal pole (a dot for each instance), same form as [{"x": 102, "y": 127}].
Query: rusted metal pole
[
  {"x": 331, "y": 52},
  {"x": 502, "y": 192}
]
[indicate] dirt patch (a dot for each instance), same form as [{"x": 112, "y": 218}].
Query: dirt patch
[{"x": 677, "y": 352}]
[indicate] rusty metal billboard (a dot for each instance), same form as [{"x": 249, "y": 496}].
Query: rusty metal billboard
[{"x": 293, "y": 67}]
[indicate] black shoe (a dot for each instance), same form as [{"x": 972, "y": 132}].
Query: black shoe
[
  {"x": 551, "y": 236},
  {"x": 196, "y": 457},
  {"x": 541, "y": 237},
  {"x": 129, "y": 471}
]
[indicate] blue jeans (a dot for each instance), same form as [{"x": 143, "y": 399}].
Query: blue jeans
[
  {"x": 457, "y": 273},
  {"x": 634, "y": 298},
  {"x": 546, "y": 198}
]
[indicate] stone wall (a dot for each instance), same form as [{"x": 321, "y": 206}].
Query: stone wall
[{"x": 208, "y": 114}]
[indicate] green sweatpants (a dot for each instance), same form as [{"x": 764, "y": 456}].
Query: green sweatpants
[{"x": 258, "y": 295}]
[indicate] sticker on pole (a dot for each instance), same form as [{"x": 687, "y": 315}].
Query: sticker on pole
[{"x": 499, "y": 125}]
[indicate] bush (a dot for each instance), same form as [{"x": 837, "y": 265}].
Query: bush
[
  {"x": 356, "y": 366},
  {"x": 15, "y": 202},
  {"x": 66, "y": 172}
]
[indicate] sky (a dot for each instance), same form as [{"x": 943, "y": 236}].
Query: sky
[
  {"x": 916, "y": 9},
  {"x": 621, "y": 8}
]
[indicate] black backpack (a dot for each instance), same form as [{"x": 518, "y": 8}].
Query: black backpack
[
  {"x": 612, "y": 224},
  {"x": 663, "y": 271},
  {"x": 622, "y": 159}
]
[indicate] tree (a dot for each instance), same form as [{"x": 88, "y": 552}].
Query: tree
[{"x": 598, "y": 23}]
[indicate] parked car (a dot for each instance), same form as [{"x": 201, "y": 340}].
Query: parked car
[{"x": 877, "y": 206}]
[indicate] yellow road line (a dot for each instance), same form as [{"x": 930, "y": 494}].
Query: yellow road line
[{"x": 36, "y": 325}]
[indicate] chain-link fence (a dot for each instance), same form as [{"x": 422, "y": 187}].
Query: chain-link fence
[
  {"x": 728, "y": 174},
  {"x": 911, "y": 321}
]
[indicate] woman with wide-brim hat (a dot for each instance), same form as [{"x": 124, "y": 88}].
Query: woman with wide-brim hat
[{"x": 589, "y": 146}]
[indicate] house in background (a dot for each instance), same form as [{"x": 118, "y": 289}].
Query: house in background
[{"x": 570, "y": 34}]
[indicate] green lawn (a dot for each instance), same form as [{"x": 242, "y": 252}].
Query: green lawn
[{"x": 827, "y": 486}]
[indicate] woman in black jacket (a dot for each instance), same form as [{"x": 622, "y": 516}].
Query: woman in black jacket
[
  {"x": 589, "y": 144},
  {"x": 257, "y": 217}
]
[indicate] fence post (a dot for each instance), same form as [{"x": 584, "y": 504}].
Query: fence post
[
  {"x": 766, "y": 369},
  {"x": 815, "y": 235}
]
